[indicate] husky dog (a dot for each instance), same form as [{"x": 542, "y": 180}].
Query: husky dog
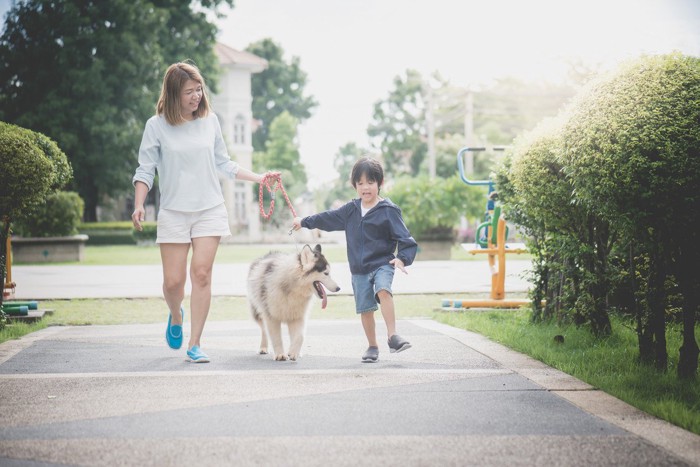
[{"x": 280, "y": 287}]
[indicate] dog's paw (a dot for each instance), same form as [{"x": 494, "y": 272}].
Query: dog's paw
[
  {"x": 280, "y": 357},
  {"x": 293, "y": 357},
  {"x": 263, "y": 352}
]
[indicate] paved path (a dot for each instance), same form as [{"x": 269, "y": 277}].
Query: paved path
[{"x": 116, "y": 395}]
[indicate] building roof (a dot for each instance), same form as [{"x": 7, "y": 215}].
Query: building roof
[{"x": 230, "y": 56}]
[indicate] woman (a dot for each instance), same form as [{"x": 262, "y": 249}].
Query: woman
[{"x": 184, "y": 145}]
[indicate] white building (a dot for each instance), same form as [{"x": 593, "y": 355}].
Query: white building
[{"x": 233, "y": 106}]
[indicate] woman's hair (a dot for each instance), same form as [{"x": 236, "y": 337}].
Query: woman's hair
[
  {"x": 174, "y": 80},
  {"x": 370, "y": 168}
]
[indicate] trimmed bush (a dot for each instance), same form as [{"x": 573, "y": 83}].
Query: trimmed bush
[
  {"x": 59, "y": 216},
  {"x": 632, "y": 149},
  {"x": 26, "y": 174}
]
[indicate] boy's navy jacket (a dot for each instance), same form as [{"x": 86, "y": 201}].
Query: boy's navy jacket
[{"x": 372, "y": 239}]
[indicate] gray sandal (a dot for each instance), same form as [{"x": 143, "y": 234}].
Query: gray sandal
[
  {"x": 398, "y": 344},
  {"x": 371, "y": 355}
]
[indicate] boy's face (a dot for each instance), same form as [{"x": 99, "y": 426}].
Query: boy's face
[{"x": 367, "y": 191}]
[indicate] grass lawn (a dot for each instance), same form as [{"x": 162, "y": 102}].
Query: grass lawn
[{"x": 608, "y": 364}]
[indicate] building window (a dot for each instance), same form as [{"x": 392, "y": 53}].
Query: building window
[
  {"x": 239, "y": 129},
  {"x": 239, "y": 204}
]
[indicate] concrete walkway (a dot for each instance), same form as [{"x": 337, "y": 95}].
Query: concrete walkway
[
  {"x": 49, "y": 282},
  {"x": 116, "y": 395}
]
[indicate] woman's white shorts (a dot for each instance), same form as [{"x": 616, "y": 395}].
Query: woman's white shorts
[{"x": 182, "y": 227}]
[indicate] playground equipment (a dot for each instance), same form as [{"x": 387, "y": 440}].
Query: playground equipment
[
  {"x": 490, "y": 240},
  {"x": 8, "y": 288},
  {"x": 25, "y": 310}
]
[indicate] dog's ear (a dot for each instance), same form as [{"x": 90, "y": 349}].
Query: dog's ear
[
  {"x": 318, "y": 249},
  {"x": 306, "y": 257}
]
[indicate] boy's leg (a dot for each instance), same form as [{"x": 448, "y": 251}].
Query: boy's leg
[
  {"x": 369, "y": 326},
  {"x": 383, "y": 279},
  {"x": 372, "y": 353},
  {"x": 386, "y": 302},
  {"x": 365, "y": 305}
]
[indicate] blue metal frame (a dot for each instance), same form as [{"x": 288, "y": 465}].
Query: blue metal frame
[{"x": 490, "y": 204}]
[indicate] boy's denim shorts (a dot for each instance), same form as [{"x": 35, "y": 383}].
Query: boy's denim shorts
[{"x": 366, "y": 286}]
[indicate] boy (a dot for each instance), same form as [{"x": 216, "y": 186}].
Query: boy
[{"x": 374, "y": 230}]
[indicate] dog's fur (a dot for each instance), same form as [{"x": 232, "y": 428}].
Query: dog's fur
[{"x": 280, "y": 287}]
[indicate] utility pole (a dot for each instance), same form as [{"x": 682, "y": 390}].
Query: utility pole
[
  {"x": 430, "y": 124},
  {"x": 469, "y": 131}
]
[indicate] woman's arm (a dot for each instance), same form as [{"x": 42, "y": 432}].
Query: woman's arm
[
  {"x": 250, "y": 176},
  {"x": 139, "y": 214}
]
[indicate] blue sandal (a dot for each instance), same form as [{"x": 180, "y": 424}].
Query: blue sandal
[
  {"x": 173, "y": 333},
  {"x": 196, "y": 355}
]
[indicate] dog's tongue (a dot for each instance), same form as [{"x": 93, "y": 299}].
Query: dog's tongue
[{"x": 322, "y": 292}]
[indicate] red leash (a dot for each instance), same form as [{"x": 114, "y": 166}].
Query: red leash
[{"x": 272, "y": 189}]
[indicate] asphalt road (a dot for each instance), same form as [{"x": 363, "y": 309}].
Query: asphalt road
[{"x": 116, "y": 395}]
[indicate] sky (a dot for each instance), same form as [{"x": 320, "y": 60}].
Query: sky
[{"x": 352, "y": 50}]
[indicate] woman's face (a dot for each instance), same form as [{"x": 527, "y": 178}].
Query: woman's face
[{"x": 190, "y": 96}]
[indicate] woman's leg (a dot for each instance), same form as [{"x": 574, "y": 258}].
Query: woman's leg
[
  {"x": 174, "y": 259},
  {"x": 203, "y": 254}
]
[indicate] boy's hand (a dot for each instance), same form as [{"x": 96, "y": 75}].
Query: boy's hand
[
  {"x": 296, "y": 223},
  {"x": 398, "y": 264}
]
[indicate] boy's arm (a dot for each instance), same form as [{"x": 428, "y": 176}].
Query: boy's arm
[
  {"x": 407, "y": 250},
  {"x": 329, "y": 221},
  {"x": 406, "y": 244}
]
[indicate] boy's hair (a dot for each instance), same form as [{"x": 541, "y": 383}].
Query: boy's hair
[
  {"x": 174, "y": 80},
  {"x": 370, "y": 168}
]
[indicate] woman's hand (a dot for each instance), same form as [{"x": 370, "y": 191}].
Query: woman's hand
[
  {"x": 137, "y": 217},
  {"x": 269, "y": 174}
]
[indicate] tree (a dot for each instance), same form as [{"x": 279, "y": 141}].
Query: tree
[
  {"x": 432, "y": 210},
  {"x": 632, "y": 150},
  {"x": 510, "y": 106},
  {"x": 398, "y": 125},
  {"x": 31, "y": 167},
  {"x": 446, "y": 149},
  {"x": 340, "y": 189},
  {"x": 277, "y": 89},
  {"x": 501, "y": 112},
  {"x": 569, "y": 242},
  {"x": 88, "y": 73},
  {"x": 282, "y": 154}
]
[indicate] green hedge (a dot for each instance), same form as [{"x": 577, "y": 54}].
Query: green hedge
[{"x": 116, "y": 233}]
